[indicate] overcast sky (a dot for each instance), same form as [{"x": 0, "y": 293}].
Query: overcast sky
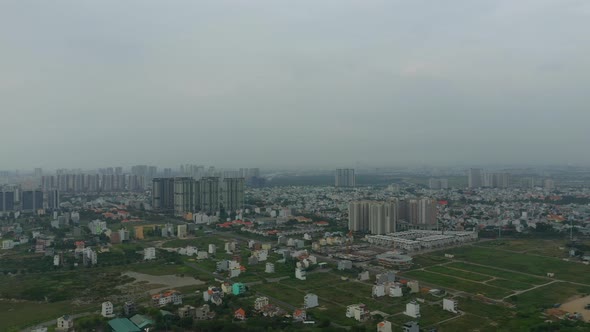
[{"x": 293, "y": 83}]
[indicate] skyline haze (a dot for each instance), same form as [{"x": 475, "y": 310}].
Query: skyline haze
[{"x": 276, "y": 84}]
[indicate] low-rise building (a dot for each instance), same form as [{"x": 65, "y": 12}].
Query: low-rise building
[
  {"x": 300, "y": 274},
  {"x": 129, "y": 308},
  {"x": 310, "y": 301},
  {"x": 240, "y": 314},
  {"x": 344, "y": 265},
  {"x": 186, "y": 311},
  {"x": 412, "y": 309},
  {"x": 65, "y": 323},
  {"x": 414, "y": 286},
  {"x": 363, "y": 276},
  {"x": 360, "y": 312},
  {"x": 107, "y": 309},
  {"x": 384, "y": 326},
  {"x": 270, "y": 268},
  {"x": 149, "y": 253},
  {"x": 260, "y": 303},
  {"x": 162, "y": 299},
  {"x": 299, "y": 315},
  {"x": 411, "y": 327},
  {"x": 238, "y": 288},
  {"x": 450, "y": 305}
]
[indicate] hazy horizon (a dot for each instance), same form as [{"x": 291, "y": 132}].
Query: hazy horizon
[{"x": 276, "y": 84}]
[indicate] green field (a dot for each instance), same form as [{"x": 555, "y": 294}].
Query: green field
[
  {"x": 459, "y": 274},
  {"x": 519, "y": 277},
  {"x": 546, "y": 296},
  {"x": 543, "y": 247},
  {"x": 15, "y": 315},
  {"x": 532, "y": 264},
  {"x": 457, "y": 284},
  {"x": 509, "y": 284}
]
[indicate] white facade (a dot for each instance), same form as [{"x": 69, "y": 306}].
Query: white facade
[
  {"x": 56, "y": 261},
  {"x": 149, "y": 253},
  {"x": 181, "y": 232},
  {"x": 107, "y": 309},
  {"x": 344, "y": 265},
  {"x": 260, "y": 303},
  {"x": 270, "y": 268},
  {"x": 414, "y": 286},
  {"x": 233, "y": 273},
  {"x": 450, "y": 305},
  {"x": 212, "y": 249},
  {"x": 300, "y": 274},
  {"x": 412, "y": 309},
  {"x": 363, "y": 276},
  {"x": 396, "y": 291},
  {"x": 384, "y": 326},
  {"x": 358, "y": 312},
  {"x": 378, "y": 290},
  {"x": 310, "y": 301},
  {"x": 7, "y": 244},
  {"x": 65, "y": 322}
]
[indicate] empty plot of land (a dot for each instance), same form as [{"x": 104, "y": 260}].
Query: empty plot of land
[
  {"x": 578, "y": 305},
  {"x": 170, "y": 281},
  {"x": 532, "y": 264},
  {"x": 458, "y": 284},
  {"x": 498, "y": 273},
  {"x": 458, "y": 273},
  {"x": 510, "y": 284},
  {"x": 546, "y": 296}
]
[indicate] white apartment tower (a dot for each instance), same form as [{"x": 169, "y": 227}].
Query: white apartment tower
[
  {"x": 474, "y": 178},
  {"x": 345, "y": 177}
]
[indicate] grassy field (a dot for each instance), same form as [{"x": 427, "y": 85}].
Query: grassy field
[
  {"x": 543, "y": 247},
  {"x": 509, "y": 284},
  {"x": 459, "y": 274},
  {"x": 457, "y": 284},
  {"x": 16, "y": 315},
  {"x": 546, "y": 296},
  {"x": 532, "y": 264},
  {"x": 519, "y": 277}
]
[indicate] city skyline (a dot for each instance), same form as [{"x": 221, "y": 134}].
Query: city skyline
[{"x": 325, "y": 84}]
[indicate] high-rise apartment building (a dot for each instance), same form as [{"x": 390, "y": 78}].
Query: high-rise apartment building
[
  {"x": 438, "y": 184},
  {"x": 209, "y": 194},
  {"x": 474, "y": 178},
  {"x": 496, "y": 180},
  {"x": 163, "y": 194},
  {"x": 358, "y": 216},
  {"x": 345, "y": 177},
  {"x": 51, "y": 199},
  {"x": 31, "y": 200},
  {"x": 7, "y": 200},
  {"x": 184, "y": 196},
  {"x": 233, "y": 194},
  {"x": 374, "y": 217},
  {"x": 427, "y": 211}
]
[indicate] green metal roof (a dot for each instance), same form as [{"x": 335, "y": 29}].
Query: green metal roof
[
  {"x": 141, "y": 321},
  {"x": 123, "y": 325}
]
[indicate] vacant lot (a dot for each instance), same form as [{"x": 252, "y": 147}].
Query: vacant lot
[
  {"x": 458, "y": 273},
  {"x": 169, "y": 281},
  {"x": 519, "y": 277},
  {"x": 533, "y": 264},
  {"x": 546, "y": 296},
  {"x": 458, "y": 284},
  {"x": 17, "y": 315}
]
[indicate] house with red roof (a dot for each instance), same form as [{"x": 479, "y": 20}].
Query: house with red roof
[{"x": 240, "y": 314}]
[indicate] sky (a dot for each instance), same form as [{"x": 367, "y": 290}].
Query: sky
[{"x": 326, "y": 83}]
